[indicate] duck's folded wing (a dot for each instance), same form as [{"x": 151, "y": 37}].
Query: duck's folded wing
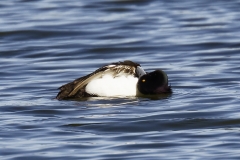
[{"x": 69, "y": 90}]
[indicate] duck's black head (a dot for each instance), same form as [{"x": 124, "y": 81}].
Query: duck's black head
[{"x": 155, "y": 82}]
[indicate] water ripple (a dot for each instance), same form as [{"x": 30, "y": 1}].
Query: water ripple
[{"x": 47, "y": 43}]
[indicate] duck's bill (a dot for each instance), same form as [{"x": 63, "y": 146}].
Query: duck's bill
[{"x": 140, "y": 72}]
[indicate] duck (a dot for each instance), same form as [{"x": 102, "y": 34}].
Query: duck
[{"x": 118, "y": 79}]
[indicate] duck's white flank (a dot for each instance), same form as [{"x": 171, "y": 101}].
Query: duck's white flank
[{"x": 108, "y": 85}]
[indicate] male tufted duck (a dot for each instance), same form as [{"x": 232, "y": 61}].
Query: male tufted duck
[{"x": 125, "y": 78}]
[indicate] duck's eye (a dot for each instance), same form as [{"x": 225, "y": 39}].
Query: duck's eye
[{"x": 143, "y": 80}]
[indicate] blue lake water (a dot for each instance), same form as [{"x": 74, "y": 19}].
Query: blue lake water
[{"x": 47, "y": 43}]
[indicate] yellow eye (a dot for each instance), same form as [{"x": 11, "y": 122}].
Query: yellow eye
[{"x": 143, "y": 80}]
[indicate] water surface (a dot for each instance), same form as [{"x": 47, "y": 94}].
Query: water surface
[{"x": 47, "y": 43}]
